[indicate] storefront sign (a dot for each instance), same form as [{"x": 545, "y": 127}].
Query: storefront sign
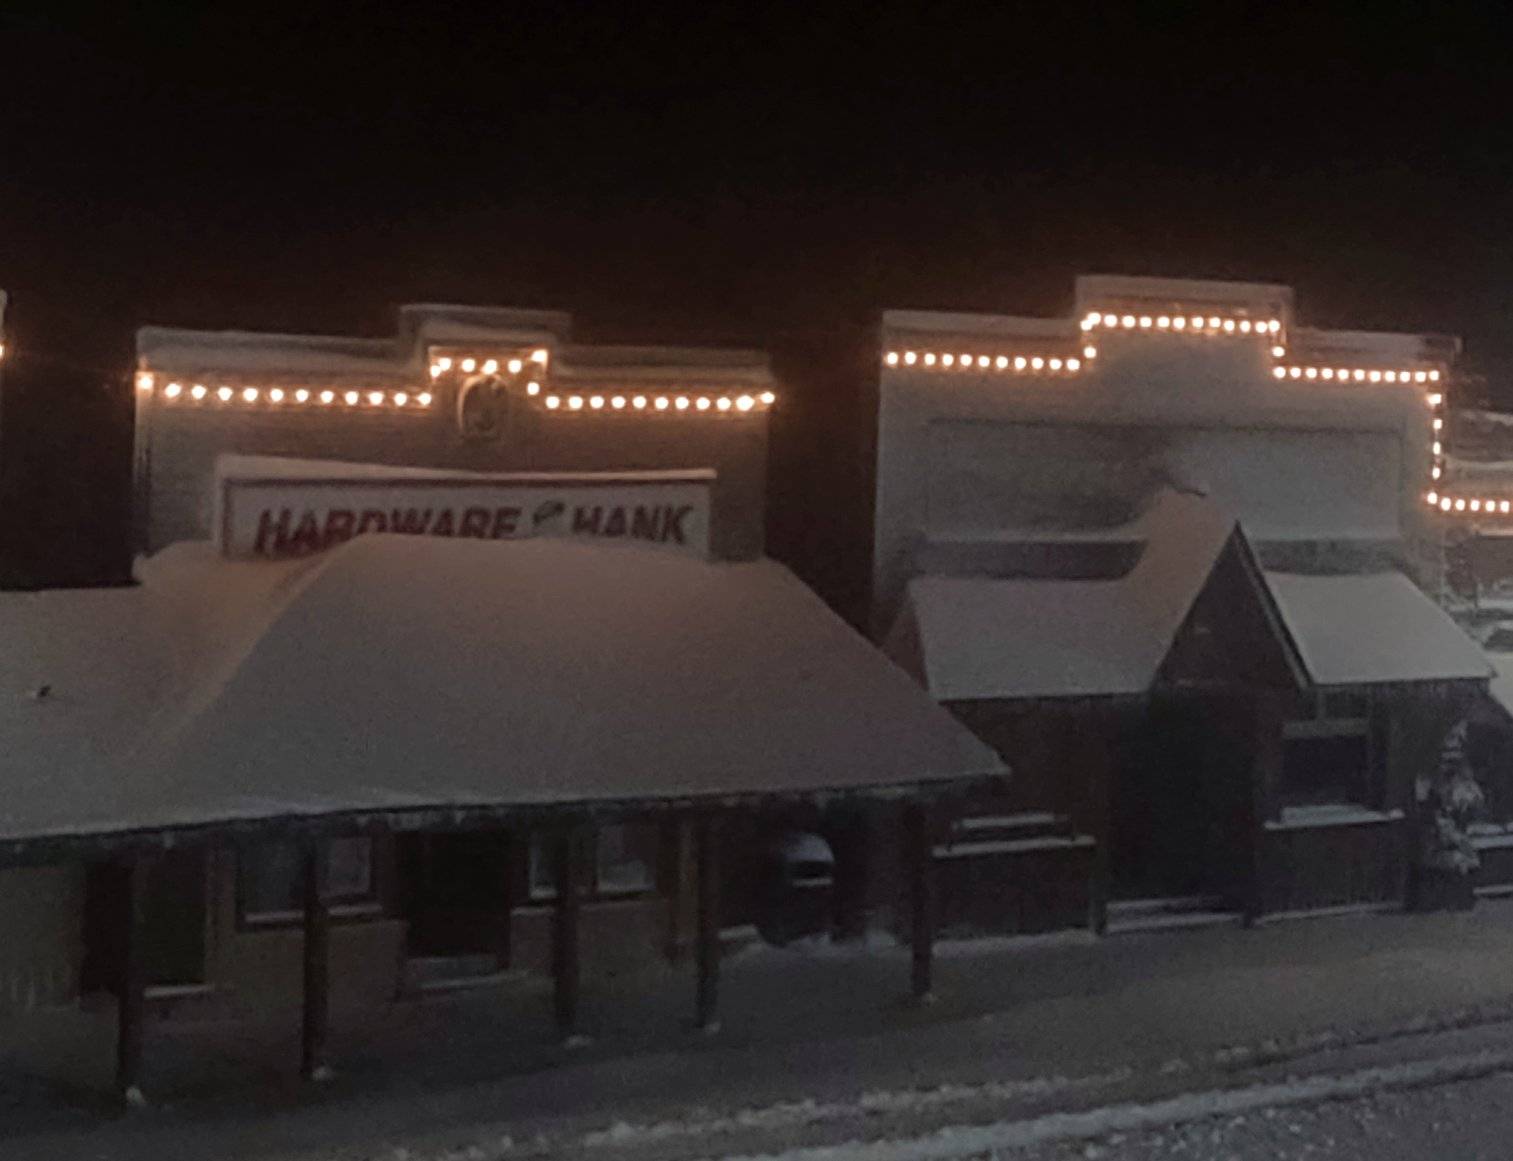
[{"x": 274, "y": 517}]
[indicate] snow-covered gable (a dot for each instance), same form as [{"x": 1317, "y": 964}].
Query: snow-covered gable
[{"x": 981, "y": 637}]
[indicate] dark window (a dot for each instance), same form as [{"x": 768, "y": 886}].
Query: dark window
[
  {"x": 624, "y": 861},
  {"x": 1326, "y": 768},
  {"x": 270, "y": 883}
]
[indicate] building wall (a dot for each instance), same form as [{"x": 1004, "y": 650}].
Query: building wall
[
  {"x": 41, "y": 936},
  {"x": 178, "y": 446}
]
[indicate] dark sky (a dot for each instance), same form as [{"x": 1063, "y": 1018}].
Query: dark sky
[{"x": 735, "y": 171}]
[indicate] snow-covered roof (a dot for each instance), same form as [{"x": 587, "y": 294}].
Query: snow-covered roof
[
  {"x": 1501, "y": 686},
  {"x": 972, "y": 638},
  {"x": 1376, "y": 628},
  {"x": 397, "y": 673}
]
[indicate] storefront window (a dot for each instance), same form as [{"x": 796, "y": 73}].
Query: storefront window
[
  {"x": 624, "y": 861},
  {"x": 1327, "y": 754},
  {"x": 270, "y": 878}
]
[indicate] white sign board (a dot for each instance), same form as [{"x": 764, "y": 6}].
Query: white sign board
[{"x": 282, "y": 515}]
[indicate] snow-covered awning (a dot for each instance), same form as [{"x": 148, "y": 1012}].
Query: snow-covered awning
[
  {"x": 407, "y": 673},
  {"x": 1372, "y": 629}
]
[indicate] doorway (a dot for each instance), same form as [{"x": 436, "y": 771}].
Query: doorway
[
  {"x": 173, "y": 934},
  {"x": 457, "y": 894}
]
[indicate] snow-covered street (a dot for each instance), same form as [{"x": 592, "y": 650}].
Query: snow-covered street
[{"x": 1049, "y": 1044}]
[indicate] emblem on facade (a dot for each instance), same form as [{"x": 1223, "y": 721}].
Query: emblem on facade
[{"x": 481, "y": 406}]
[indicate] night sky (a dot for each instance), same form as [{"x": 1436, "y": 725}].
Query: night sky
[{"x": 752, "y": 174}]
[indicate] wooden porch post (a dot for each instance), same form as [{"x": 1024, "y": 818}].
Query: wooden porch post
[
  {"x": 567, "y": 859},
  {"x": 313, "y": 1064},
  {"x": 130, "y": 1010},
  {"x": 921, "y": 858},
  {"x": 706, "y": 1018}
]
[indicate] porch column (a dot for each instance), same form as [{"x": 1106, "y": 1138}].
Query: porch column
[
  {"x": 130, "y": 1010},
  {"x": 920, "y": 857},
  {"x": 568, "y": 863},
  {"x": 313, "y": 1064},
  {"x": 708, "y": 853}
]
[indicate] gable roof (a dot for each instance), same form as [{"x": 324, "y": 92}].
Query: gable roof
[{"x": 972, "y": 638}]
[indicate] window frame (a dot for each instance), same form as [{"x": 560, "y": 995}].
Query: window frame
[
  {"x": 1318, "y": 719},
  {"x": 340, "y": 908},
  {"x": 539, "y": 858}
]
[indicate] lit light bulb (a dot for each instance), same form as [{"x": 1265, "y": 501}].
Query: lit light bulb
[
  {"x": 639, "y": 402},
  {"x": 745, "y": 403},
  {"x": 703, "y": 403},
  {"x": 1213, "y": 322},
  {"x": 1436, "y": 448},
  {"x": 910, "y": 358},
  {"x": 376, "y": 398},
  {"x": 1279, "y": 372},
  {"x": 1295, "y": 372},
  {"x": 1375, "y": 376},
  {"x": 1196, "y": 323},
  {"x": 144, "y": 381},
  {"x": 1434, "y": 472},
  {"x": 1435, "y": 399},
  {"x": 618, "y": 402},
  {"x": 1390, "y": 376},
  {"x": 491, "y": 367},
  {"x": 596, "y": 402},
  {"x": 1434, "y": 376},
  {"x": 1327, "y": 372},
  {"x": 1278, "y": 351},
  {"x": 575, "y": 402},
  {"x": 767, "y": 398},
  {"x": 947, "y": 360},
  {"x": 1432, "y": 497},
  {"x": 1054, "y": 364},
  {"x": 539, "y": 355},
  {"x": 929, "y": 358},
  {"x": 682, "y": 403},
  {"x": 723, "y": 403},
  {"x": 1020, "y": 363},
  {"x": 352, "y": 398},
  {"x": 1002, "y": 362},
  {"x": 435, "y": 370},
  {"x": 515, "y": 366},
  {"x": 276, "y": 395},
  {"x": 1127, "y": 322},
  {"x": 1437, "y": 423},
  {"x": 1505, "y": 506},
  {"x": 1312, "y": 372},
  {"x": 1245, "y": 326},
  {"x": 1444, "y": 504},
  {"x": 424, "y": 399},
  {"x": 891, "y": 358},
  {"x": 1460, "y": 505},
  {"x": 1145, "y": 322},
  {"x": 445, "y": 362},
  {"x": 401, "y": 398},
  {"x": 983, "y": 360},
  {"x": 1419, "y": 377},
  {"x": 1164, "y": 322},
  {"x": 1179, "y": 323},
  {"x": 662, "y": 403},
  {"x": 328, "y": 397},
  {"x": 1229, "y": 326},
  {"x": 1090, "y": 352},
  {"x": 1110, "y": 320},
  {"x": 198, "y": 391},
  {"x": 172, "y": 390},
  {"x": 224, "y": 394},
  {"x": 1073, "y": 364},
  {"x": 552, "y": 403},
  {"x": 469, "y": 365},
  {"x": 1037, "y": 363},
  {"x": 1360, "y": 375},
  {"x": 1476, "y": 505}
]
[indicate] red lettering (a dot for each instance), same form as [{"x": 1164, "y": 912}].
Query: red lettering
[
  {"x": 475, "y": 522},
  {"x": 506, "y": 520},
  {"x": 306, "y": 536},
  {"x": 672, "y": 526},
  {"x": 616, "y": 524},
  {"x": 586, "y": 520},
  {"x": 409, "y": 521},
  {"x": 644, "y": 522},
  {"x": 339, "y": 525},
  {"x": 277, "y": 530},
  {"x": 445, "y": 524},
  {"x": 372, "y": 521}
]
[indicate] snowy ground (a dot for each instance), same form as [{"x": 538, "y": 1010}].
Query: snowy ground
[{"x": 817, "y": 1050}]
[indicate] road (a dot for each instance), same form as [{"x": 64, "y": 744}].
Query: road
[{"x": 1467, "y": 1120}]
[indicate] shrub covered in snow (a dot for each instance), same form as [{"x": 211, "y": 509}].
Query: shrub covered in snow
[{"x": 1450, "y": 800}]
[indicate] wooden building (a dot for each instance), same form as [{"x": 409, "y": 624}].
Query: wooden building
[{"x": 1168, "y": 555}]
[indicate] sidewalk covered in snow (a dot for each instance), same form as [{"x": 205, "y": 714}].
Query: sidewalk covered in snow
[{"x": 399, "y": 683}]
